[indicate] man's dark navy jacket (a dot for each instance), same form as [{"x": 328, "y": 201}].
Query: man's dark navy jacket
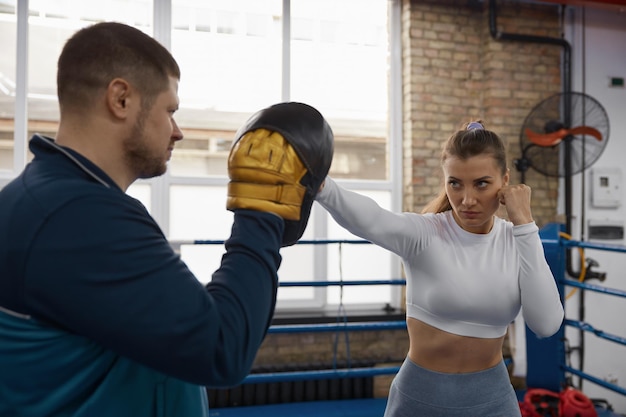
[{"x": 100, "y": 317}]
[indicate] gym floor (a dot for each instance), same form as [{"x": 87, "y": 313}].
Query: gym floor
[{"x": 371, "y": 407}]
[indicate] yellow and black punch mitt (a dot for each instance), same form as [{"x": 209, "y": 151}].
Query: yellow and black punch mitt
[{"x": 278, "y": 162}]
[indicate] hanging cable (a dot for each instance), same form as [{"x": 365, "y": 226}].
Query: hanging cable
[
  {"x": 583, "y": 267},
  {"x": 584, "y": 115},
  {"x": 581, "y": 294},
  {"x": 341, "y": 316}
]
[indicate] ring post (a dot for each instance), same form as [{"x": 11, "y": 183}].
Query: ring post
[{"x": 546, "y": 357}]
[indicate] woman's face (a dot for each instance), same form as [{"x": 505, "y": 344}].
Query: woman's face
[{"x": 472, "y": 187}]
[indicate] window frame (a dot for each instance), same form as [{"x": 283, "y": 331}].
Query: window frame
[{"x": 160, "y": 186}]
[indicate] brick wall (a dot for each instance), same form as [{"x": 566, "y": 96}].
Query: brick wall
[
  {"x": 383, "y": 348},
  {"x": 293, "y": 348},
  {"x": 453, "y": 70}
]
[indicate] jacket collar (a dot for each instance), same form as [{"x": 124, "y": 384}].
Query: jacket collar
[{"x": 40, "y": 143}]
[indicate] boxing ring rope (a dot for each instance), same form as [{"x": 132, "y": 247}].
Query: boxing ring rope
[
  {"x": 337, "y": 373},
  {"x": 591, "y": 329},
  {"x": 547, "y": 367},
  {"x": 295, "y": 328},
  {"x": 553, "y": 357}
]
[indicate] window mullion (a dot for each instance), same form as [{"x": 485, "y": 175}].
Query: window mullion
[
  {"x": 160, "y": 186},
  {"x": 20, "y": 137},
  {"x": 286, "y": 52},
  {"x": 395, "y": 123}
]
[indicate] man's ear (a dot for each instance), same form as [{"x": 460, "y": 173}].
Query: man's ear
[{"x": 118, "y": 97}]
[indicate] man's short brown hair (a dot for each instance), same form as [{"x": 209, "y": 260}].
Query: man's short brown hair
[{"x": 97, "y": 54}]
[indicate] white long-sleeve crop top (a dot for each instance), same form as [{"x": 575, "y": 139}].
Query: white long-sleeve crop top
[{"x": 460, "y": 282}]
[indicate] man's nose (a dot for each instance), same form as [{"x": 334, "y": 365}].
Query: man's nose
[{"x": 177, "y": 134}]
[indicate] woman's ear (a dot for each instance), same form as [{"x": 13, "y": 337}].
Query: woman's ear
[{"x": 507, "y": 176}]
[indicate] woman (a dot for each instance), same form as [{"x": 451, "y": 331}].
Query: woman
[{"x": 468, "y": 275}]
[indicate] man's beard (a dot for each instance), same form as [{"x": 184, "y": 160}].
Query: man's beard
[{"x": 139, "y": 156}]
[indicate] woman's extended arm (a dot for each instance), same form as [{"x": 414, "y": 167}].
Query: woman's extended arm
[{"x": 363, "y": 217}]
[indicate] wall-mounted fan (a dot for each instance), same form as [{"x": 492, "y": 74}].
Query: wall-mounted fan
[{"x": 563, "y": 135}]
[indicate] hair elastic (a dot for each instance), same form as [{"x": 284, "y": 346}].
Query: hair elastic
[{"x": 475, "y": 125}]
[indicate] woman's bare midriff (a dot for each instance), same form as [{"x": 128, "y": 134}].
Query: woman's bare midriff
[{"x": 441, "y": 351}]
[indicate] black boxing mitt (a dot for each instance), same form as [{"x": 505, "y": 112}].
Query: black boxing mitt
[{"x": 278, "y": 162}]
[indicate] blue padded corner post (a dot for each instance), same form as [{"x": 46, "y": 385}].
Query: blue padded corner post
[{"x": 546, "y": 357}]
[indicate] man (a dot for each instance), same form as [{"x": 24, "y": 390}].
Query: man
[{"x": 98, "y": 316}]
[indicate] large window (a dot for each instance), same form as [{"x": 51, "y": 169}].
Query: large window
[{"x": 237, "y": 57}]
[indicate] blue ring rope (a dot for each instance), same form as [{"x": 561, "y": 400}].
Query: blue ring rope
[
  {"x": 600, "y": 333},
  {"x": 595, "y": 380},
  {"x": 332, "y": 327},
  {"x": 596, "y": 288},
  {"x": 321, "y": 374}
]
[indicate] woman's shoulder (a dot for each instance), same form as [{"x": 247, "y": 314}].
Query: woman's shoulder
[{"x": 436, "y": 223}]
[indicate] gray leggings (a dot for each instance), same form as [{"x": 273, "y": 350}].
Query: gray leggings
[{"x": 419, "y": 392}]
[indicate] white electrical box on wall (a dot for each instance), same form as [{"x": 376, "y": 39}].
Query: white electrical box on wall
[{"x": 606, "y": 187}]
